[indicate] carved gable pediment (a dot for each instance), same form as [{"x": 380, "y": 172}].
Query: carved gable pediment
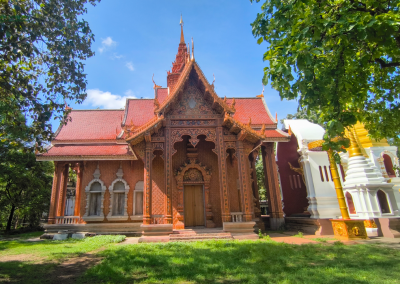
[{"x": 191, "y": 102}]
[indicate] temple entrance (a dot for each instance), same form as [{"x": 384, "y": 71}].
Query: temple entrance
[{"x": 194, "y": 205}]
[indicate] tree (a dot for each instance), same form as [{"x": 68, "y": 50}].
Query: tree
[
  {"x": 302, "y": 114},
  {"x": 25, "y": 185},
  {"x": 339, "y": 58},
  {"x": 42, "y": 49}
]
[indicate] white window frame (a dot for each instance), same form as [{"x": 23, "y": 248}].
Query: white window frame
[{"x": 138, "y": 188}]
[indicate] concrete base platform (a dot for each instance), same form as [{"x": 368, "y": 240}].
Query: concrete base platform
[
  {"x": 156, "y": 229},
  {"x": 388, "y": 227},
  {"x": 318, "y": 227},
  {"x": 239, "y": 227},
  {"x": 99, "y": 228},
  {"x": 154, "y": 239}
]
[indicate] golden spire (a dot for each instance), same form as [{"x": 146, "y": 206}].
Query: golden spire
[
  {"x": 290, "y": 131},
  {"x": 276, "y": 117},
  {"x": 263, "y": 129},
  {"x": 182, "y": 37},
  {"x": 192, "y": 50},
  {"x": 354, "y": 149}
]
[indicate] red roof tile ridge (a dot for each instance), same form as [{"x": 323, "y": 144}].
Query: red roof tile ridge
[
  {"x": 268, "y": 112},
  {"x": 142, "y": 129}
]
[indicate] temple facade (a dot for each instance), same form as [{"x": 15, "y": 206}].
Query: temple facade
[{"x": 183, "y": 159}]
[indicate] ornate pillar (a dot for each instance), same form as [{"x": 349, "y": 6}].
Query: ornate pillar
[
  {"x": 62, "y": 190},
  {"x": 272, "y": 186},
  {"x": 168, "y": 175},
  {"x": 245, "y": 185},
  {"x": 147, "y": 184},
  {"x": 225, "y": 208},
  {"x": 78, "y": 189},
  {"x": 54, "y": 192}
]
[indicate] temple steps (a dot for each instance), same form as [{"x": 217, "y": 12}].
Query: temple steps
[{"x": 193, "y": 236}]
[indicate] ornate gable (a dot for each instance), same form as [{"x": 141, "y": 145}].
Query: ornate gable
[{"x": 191, "y": 102}]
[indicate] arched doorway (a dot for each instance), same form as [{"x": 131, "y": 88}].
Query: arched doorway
[
  {"x": 350, "y": 203},
  {"x": 389, "y": 165},
  {"x": 383, "y": 202}
]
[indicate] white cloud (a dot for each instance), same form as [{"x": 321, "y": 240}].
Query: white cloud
[
  {"x": 129, "y": 93},
  {"x": 97, "y": 98},
  {"x": 107, "y": 43},
  {"x": 117, "y": 56},
  {"x": 130, "y": 66}
]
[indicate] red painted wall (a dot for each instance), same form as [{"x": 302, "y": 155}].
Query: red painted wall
[{"x": 293, "y": 188}]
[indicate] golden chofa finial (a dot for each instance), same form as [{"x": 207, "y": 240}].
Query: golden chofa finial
[
  {"x": 276, "y": 117},
  {"x": 249, "y": 123},
  {"x": 155, "y": 85},
  {"x": 192, "y": 50},
  {"x": 290, "y": 131},
  {"x": 262, "y": 94},
  {"x": 182, "y": 37},
  {"x": 263, "y": 129}
]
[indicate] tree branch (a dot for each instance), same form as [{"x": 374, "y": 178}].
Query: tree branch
[{"x": 385, "y": 65}]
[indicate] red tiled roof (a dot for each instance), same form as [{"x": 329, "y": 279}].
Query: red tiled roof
[
  {"x": 251, "y": 107},
  {"x": 162, "y": 94},
  {"x": 88, "y": 150},
  {"x": 140, "y": 111},
  {"x": 91, "y": 124},
  {"x": 275, "y": 134}
]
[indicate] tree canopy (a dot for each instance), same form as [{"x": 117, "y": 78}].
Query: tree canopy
[
  {"x": 42, "y": 49},
  {"x": 339, "y": 58}
]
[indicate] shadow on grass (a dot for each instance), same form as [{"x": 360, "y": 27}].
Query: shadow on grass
[
  {"x": 245, "y": 262},
  {"x": 26, "y": 272}
]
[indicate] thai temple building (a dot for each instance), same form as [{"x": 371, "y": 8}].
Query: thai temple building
[
  {"x": 183, "y": 159},
  {"x": 367, "y": 172}
]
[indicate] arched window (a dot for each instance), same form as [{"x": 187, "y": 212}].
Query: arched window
[
  {"x": 138, "y": 198},
  {"x": 95, "y": 199},
  {"x": 119, "y": 190},
  {"x": 383, "y": 202},
  {"x": 119, "y": 198},
  {"x": 350, "y": 203},
  {"x": 388, "y": 165}
]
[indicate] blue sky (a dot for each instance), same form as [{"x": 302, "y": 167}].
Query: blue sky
[{"x": 135, "y": 39}]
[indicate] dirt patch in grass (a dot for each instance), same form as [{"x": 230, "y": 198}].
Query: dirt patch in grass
[
  {"x": 20, "y": 257},
  {"x": 70, "y": 270}
]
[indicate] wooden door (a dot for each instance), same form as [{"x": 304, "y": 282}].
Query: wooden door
[{"x": 194, "y": 206}]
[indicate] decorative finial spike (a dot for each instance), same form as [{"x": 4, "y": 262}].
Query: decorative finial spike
[
  {"x": 155, "y": 85},
  {"x": 192, "y": 50},
  {"x": 249, "y": 124},
  {"x": 182, "y": 37},
  {"x": 263, "y": 129},
  {"x": 276, "y": 117},
  {"x": 290, "y": 131}
]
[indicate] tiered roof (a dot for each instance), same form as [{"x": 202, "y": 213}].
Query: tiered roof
[{"x": 108, "y": 134}]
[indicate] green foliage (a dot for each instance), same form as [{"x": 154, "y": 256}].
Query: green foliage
[
  {"x": 260, "y": 178},
  {"x": 25, "y": 186},
  {"x": 299, "y": 235},
  {"x": 339, "y": 58},
  {"x": 42, "y": 49}
]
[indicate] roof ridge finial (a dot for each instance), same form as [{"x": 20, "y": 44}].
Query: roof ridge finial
[
  {"x": 155, "y": 85},
  {"x": 182, "y": 37},
  {"x": 262, "y": 94},
  {"x": 290, "y": 131},
  {"x": 188, "y": 52},
  {"x": 276, "y": 117},
  {"x": 192, "y": 50}
]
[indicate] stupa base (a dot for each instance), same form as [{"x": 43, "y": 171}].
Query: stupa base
[{"x": 349, "y": 229}]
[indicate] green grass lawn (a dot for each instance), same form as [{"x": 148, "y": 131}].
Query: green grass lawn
[
  {"x": 260, "y": 261},
  {"x": 31, "y": 262},
  {"x": 246, "y": 262}
]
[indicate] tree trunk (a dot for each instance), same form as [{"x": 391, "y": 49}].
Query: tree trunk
[{"x": 10, "y": 217}]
